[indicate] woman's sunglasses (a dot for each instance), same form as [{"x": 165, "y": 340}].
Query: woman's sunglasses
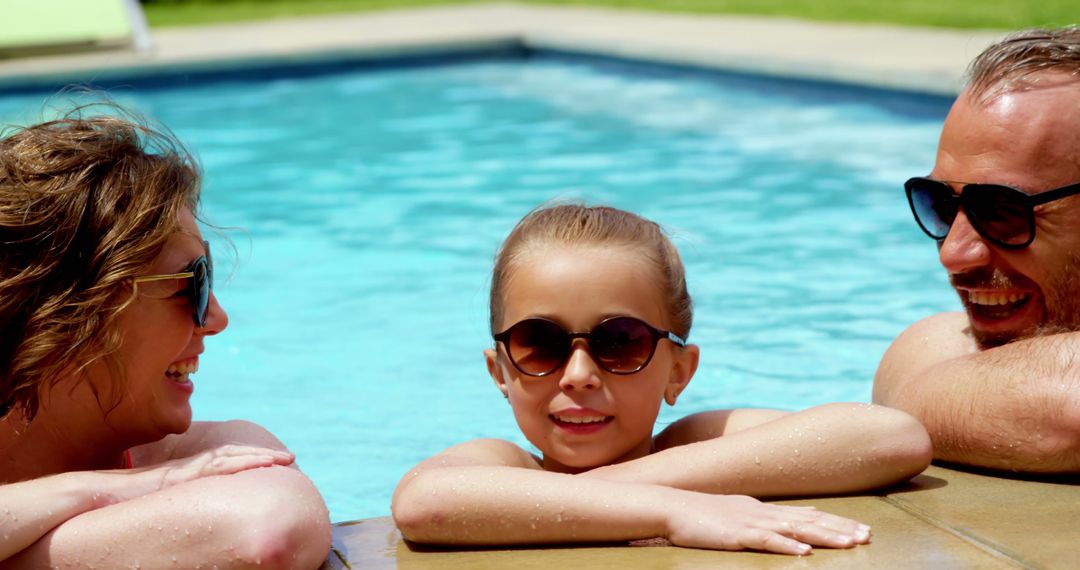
[
  {"x": 620, "y": 345},
  {"x": 201, "y": 273},
  {"x": 1002, "y": 215}
]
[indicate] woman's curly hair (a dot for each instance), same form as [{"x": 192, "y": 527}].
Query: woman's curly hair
[{"x": 86, "y": 204}]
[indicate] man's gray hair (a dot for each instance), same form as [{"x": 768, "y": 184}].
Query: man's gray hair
[{"x": 1011, "y": 63}]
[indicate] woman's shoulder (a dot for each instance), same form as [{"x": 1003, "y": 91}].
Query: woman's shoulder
[{"x": 201, "y": 436}]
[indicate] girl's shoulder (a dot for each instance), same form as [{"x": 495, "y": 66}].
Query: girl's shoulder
[
  {"x": 487, "y": 451},
  {"x": 712, "y": 424}
]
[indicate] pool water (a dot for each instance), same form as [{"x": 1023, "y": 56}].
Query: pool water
[{"x": 369, "y": 204}]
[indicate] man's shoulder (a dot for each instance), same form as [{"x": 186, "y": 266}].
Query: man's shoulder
[
  {"x": 937, "y": 337},
  {"x": 945, "y": 325},
  {"x": 923, "y": 344}
]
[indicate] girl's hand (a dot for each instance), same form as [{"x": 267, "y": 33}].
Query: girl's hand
[
  {"x": 127, "y": 484},
  {"x": 735, "y": 522}
]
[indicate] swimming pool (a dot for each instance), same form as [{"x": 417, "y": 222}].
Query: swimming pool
[{"x": 371, "y": 203}]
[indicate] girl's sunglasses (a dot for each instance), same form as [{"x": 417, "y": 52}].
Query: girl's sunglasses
[
  {"x": 201, "y": 273},
  {"x": 1003, "y": 215},
  {"x": 620, "y": 345}
]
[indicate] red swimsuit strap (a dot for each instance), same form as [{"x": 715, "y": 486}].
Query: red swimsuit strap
[{"x": 127, "y": 459}]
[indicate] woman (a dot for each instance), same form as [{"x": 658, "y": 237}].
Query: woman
[{"x": 105, "y": 304}]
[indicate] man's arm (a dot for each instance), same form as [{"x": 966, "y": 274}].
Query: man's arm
[{"x": 1015, "y": 407}]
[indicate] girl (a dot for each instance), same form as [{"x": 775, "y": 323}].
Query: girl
[
  {"x": 105, "y": 305},
  {"x": 590, "y": 315}
]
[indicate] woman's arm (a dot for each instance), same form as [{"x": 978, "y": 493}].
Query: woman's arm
[
  {"x": 244, "y": 520},
  {"x": 257, "y": 517},
  {"x": 834, "y": 448},
  {"x": 489, "y": 492},
  {"x": 33, "y": 508}
]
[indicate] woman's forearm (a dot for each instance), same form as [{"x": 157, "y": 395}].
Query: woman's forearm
[
  {"x": 834, "y": 448},
  {"x": 30, "y": 509},
  {"x": 267, "y": 518}
]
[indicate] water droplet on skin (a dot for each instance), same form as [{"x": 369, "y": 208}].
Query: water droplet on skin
[
  {"x": 796, "y": 452},
  {"x": 757, "y": 460}
]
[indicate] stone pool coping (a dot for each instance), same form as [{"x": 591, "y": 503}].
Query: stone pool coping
[
  {"x": 912, "y": 59},
  {"x": 943, "y": 518}
]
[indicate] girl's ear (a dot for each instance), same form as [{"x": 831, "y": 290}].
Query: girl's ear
[
  {"x": 682, "y": 370},
  {"x": 491, "y": 357}
]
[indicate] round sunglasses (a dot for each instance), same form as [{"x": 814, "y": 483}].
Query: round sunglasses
[
  {"x": 1003, "y": 215},
  {"x": 620, "y": 345},
  {"x": 201, "y": 275}
]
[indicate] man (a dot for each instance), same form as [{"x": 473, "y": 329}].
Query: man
[{"x": 999, "y": 385}]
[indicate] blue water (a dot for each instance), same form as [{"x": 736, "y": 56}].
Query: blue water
[{"x": 370, "y": 204}]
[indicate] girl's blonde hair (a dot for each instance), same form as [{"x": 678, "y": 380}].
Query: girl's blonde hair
[
  {"x": 86, "y": 204},
  {"x": 576, "y": 224}
]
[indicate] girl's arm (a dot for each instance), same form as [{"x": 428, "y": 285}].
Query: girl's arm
[
  {"x": 490, "y": 492},
  {"x": 265, "y": 518},
  {"x": 834, "y": 448}
]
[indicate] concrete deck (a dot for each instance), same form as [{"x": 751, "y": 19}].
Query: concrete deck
[
  {"x": 942, "y": 519},
  {"x": 927, "y": 60}
]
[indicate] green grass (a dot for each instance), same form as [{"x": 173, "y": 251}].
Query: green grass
[
  {"x": 1000, "y": 14},
  {"x": 161, "y": 13}
]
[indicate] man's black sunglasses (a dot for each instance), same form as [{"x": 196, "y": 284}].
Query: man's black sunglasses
[
  {"x": 1003, "y": 215},
  {"x": 201, "y": 273},
  {"x": 620, "y": 345}
]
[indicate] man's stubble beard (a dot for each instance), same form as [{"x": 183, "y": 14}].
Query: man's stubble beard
[{"x": 1062, "y": 299}]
